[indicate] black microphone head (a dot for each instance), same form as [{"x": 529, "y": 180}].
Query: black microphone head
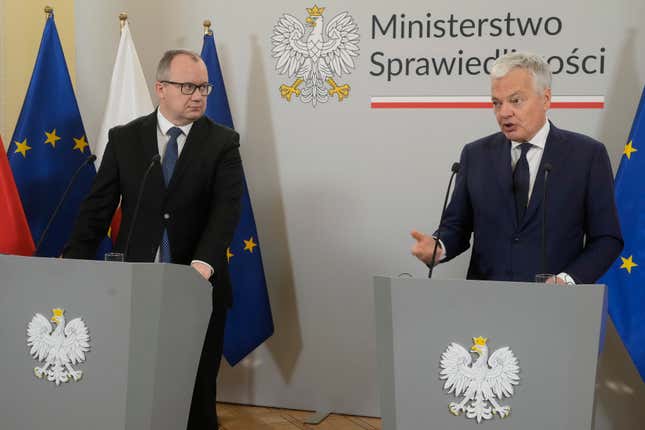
[
  {"x": 547, "y": 167},
  {"x": 91, "y": 158},
  {"x": 455, "y": 167},
  {"x": 155, "y": 158}
]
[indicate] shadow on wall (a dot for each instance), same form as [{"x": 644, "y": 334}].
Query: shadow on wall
[
  {"x": 261, "y": 165},
  {"x": 620, "y": 392},
  {"x": 621, "y": 100},
  {"x": 286, "y": 344}
]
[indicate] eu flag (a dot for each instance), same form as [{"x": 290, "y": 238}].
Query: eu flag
[
  {"x": 249, "y": 322},
  {"x": 626, "y": 278},
  {"x": 48, "y": 146}
]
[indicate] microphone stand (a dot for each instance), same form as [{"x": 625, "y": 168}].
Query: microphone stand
[
  {"x": 154, "y": 161},
  {"x": 455, "y": 170},
  {"x": 71, "y": 182},
  {"x": 547, "y": 169}
]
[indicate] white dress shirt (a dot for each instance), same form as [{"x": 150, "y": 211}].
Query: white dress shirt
[
  {"x": 533, "y": 156},
  {"x": 163, "y": 125}
]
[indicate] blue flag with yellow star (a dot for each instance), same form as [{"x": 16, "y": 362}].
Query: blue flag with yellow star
[
  {"x": 48, "y": 145},
  {"x": 249, "y": 322},
  {"x": 626, "y": 278}
]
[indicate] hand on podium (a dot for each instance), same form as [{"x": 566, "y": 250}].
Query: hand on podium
[
  {"x": 202, "y": 269},
  {"x": 556, "y": 280},
  {"x": 424, "y": 247}
]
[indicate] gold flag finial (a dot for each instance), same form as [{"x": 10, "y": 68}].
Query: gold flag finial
[
  {"x": 49, "y": 11},
  {"x": 123, "y": 17},
  {"x": 207, "y": 27}
]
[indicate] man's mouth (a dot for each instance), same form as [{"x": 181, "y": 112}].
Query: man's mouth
[{"x": 508, "y": 127}]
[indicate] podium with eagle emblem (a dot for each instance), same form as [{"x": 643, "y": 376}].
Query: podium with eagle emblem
[
  {"x": 100, "y": 345},
  {"x": 454, "y": 355}
]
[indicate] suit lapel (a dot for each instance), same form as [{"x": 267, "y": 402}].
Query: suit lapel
[
  {"x": 192, "y": 148},
  {"x": 149, "y": 135},
  {"x": 555, "y": 153},
  {"x": 500, "y": 161},
  {"x": 150, "y": 147}
]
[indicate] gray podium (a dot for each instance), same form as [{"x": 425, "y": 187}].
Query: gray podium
[
  {"x": 553, "y": 331},
  {"x": 146, "y": 324}
]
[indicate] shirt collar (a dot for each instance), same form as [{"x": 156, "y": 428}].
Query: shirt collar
[
  {"x": 539, "y": 139},
  {"x": 165, "y": 124}
]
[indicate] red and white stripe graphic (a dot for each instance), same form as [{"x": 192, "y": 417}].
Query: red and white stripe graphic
[{"x": 478, "y": 102}]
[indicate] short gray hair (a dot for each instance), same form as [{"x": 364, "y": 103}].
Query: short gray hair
[
  {"x": 534, "y": 64},
  {"x": 164, "y": 64}
]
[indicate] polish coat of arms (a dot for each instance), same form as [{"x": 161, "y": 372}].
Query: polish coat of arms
[
  {"x": 314, "y": 53},
  {"x": 483, "y": 383},
  {"x": 58, "y": 348}
]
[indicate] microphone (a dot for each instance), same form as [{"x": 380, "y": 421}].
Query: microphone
[
  {"x": 155, "y": 159},
  {"x": 455, "y": 170},
  {"x": 71, "y": 182},
  {"x": 547, "y": 168}
]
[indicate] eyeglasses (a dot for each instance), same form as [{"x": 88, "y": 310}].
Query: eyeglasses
[{"x": 188, "y": 88}]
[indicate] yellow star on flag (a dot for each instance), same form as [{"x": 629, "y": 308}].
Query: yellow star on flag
[
  {"x": 629, "y": 149},
  {"x": 52, "y": 138},
  {"x": 22, "y": 147},
  {"x": 81, "y": 144},
  {"x": 628, "y": 264},
  {"x": 229, "y": 254},
  {"x": 249, "y": 245}
]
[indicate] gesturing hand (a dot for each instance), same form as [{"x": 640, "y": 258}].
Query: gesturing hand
[{"x": 424, "y": 247}]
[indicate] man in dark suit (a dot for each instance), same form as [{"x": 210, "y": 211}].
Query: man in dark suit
[
  {"x": 190, "y": 203},
  {"x": 499, "y": 191}
]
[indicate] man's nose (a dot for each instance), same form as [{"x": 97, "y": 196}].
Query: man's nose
[
  {"x": 505, "y": 110},
  {"x": 196, "y": 95}
]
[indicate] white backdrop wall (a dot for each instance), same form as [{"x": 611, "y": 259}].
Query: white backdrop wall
[{"x": 337, "y": 188}]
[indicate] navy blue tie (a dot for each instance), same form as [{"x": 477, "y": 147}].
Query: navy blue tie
[
  {"x": 521, "y": 180},
  {"x": 168, "y": 166}
]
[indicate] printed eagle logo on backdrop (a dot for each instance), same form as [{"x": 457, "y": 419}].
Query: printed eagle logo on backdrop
[
  {"x": 314, "y": 55},
  {"x": 480, "y": 382},
  {"x": 67, "y": 345}
]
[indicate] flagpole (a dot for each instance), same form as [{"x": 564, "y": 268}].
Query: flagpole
[
  {"x": 49, "y": 12},
  {"x": 207, "y": 27},
  {"x": 123, "y": 17}
]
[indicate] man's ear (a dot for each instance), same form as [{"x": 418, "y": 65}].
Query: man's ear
[
  {"x": 159, "y": 89},
  {"x": 547, "y": 99}
]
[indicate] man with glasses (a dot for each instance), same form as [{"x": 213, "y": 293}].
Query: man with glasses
[{"x": 189, "y": 205}]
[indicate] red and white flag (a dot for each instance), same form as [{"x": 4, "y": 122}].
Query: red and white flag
[{"x": 128, "y": 99}]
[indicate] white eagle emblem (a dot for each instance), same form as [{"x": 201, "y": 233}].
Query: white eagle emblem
[
  {"x": 315, "y": 55},
  {"x": 480, "y": 383},
  {"x": 67, "y": 345}
]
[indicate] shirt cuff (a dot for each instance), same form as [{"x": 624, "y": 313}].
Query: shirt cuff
[
  {"x": 443, "y": 249},
  {"x": 206, "y": 264},
  {"x": 566, "y": 278}
]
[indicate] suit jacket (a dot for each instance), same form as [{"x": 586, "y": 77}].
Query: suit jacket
[
  {"x": 199, "y": 208},
  {"x": 583, "y": 235}
]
